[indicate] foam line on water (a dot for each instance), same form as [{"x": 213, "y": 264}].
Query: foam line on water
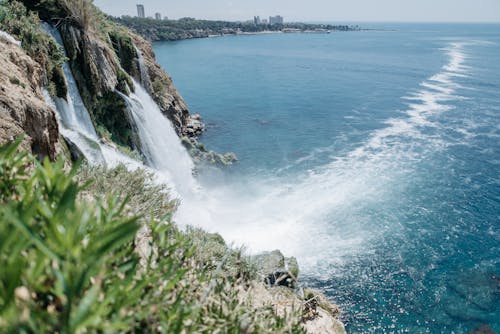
[{"x": 327, "y": 213}]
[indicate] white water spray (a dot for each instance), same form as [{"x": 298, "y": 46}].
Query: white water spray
[{"x": 329, "y": 213}]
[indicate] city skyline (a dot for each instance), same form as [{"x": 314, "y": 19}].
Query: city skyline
[
  {"x": 278, "y": 19},
  {"x": 317, "y": 10}
]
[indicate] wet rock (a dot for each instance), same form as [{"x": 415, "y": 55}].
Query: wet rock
[
  {"x": 201, "y": 156},
  {"x": 75, "y": 153},
  {"x": 275, "y": 270},
  {"x": 194, "y": 127}
]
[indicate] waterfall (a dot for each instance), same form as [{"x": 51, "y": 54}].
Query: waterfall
[
  {"x": 160, "y": 144},
  {"x": 74, "y": 120},
  {"x": 142, "y": 69}
]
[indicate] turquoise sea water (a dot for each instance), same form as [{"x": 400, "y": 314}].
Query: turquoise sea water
[{"x": 382, "y": 147}]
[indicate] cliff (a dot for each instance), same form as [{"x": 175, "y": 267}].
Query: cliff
[
  {"x": 104, "y": 57},
  {"x": 22, "y": 107}
]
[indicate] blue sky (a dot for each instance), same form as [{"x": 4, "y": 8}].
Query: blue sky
[{"x": 317, "y": 10}]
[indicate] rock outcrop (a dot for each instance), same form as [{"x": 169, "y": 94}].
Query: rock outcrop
[
  {"x": 276, "y": 270},
  {"x": 317, "y": 319},
  {"x": 22, "y": 106},
  {"x": 280, "y": 289}
]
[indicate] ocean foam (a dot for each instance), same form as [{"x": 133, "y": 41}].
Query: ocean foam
[{"x": 327, "y": 214}]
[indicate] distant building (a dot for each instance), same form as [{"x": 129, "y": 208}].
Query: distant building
[
  {"x": 140, "y": 11},
  {"x": 256, "y": 20},
  {"x": 276, "y": 19},
  {"x": 263, "y": 21},
  {"x": 158, "y": 16}
]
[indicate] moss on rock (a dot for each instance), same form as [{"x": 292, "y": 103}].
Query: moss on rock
[
  {"x": 125, "y": 50},
  {"x": 110, "y": 112}
]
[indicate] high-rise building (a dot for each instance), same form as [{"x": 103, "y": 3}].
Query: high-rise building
[
  {"x": 158, "y": 16},
  {"x": 276, "y": 19},
  {"x": 256, "y": 20},
  {"x": 140, "y": 11}
]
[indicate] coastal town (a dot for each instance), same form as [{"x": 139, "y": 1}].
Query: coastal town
[
  {"x": 277, "y": 19},
  {"x": 162, "y": 28}
]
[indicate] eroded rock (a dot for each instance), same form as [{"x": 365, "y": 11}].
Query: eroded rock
[{"x": 22, "y": 106}]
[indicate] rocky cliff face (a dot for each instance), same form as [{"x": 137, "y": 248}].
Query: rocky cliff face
[
  {"x": 101, "y": 70},
  {"x": 104, "y": 56},
  {"x": 22, "y": 106}
]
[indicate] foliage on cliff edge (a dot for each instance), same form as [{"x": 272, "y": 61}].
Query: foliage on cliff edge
[
  {"x": 25, "y": 26},
  {"x": 70, "y": 263}
]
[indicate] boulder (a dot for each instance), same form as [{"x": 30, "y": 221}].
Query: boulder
[
  {"x": 276, "y": 270},
  {"x": 194, "y": 127}
]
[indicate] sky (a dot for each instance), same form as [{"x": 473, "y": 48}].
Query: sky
[{"x": 316, "y": 10}]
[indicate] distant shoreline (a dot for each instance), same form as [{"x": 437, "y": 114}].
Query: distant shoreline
[
  {"x": 266, "y": 32},
  {"x": 189, "y": 28}
]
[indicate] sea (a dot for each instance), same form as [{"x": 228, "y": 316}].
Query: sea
[{"x": 371, "y": 156}]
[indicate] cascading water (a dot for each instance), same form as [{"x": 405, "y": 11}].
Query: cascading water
[
  {"x": 142, "y": 69},
  {"x": 74, "y": 120},
  {"x": 159, "y": 143}
]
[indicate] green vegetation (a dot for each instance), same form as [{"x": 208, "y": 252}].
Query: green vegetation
[
  {"x": 105, "y": 135},
  {"x": 111, "y": 113},
  {"x": 73, "y": 261},
  {"x": 124, "y": 48},
  {"x": 172, "y": 30},
  {"x": 24, "y": 25}
]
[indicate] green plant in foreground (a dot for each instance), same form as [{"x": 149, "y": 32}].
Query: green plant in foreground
[
  {"x": 58, "y": 257},
  {"x": 68, "y": 267}
]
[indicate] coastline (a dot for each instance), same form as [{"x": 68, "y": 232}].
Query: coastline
[{"x": 265, "y": 32}]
